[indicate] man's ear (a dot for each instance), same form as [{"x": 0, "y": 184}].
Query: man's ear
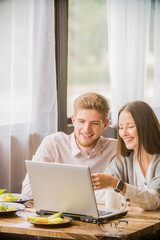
[
  {"x": 106, "y": 123},
  {"x": 73, "y": 119}
]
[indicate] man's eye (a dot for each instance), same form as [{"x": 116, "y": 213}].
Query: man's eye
[
  {"x": 81, "y": 121},
  {"x": 95, "y": 123}
]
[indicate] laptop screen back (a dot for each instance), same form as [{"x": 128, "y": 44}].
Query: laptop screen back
[{"x": 60, "y": 187}]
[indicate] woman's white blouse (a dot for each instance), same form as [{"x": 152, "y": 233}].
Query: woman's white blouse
[{"x": 139, "y": 193}]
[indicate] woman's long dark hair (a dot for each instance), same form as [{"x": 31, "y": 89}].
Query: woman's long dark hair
[{"x": 148, "y": 128}]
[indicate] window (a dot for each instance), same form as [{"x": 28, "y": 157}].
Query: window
[
  {"x": 88, "y": 68},
  {"x": 87, "y": 50}
]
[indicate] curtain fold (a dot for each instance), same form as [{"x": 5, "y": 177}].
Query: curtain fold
[
  {"x": 156, "y": 86},
  {"x": 30, "y": 85},
  {"x": 128, "y": 36},
  {"x": 156, "y": 82}
]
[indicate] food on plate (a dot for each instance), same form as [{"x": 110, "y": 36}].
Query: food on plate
[
  {"x": 55, "y": 218},
  {"x": 8, "y": 197},
  {"x": 55, "y": 215},
  {"x": 38, "y": 219},
  {"x": 5, "y": 208},
  {"x": 2, "y": 191},
  {"x": 11, "y": 208}
]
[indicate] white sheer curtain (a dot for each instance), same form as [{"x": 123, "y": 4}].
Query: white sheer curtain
[
  {"x": 156, "y": 88},
  {"x": 28, "y": 106},
  {"x": 128, "y": 36}
]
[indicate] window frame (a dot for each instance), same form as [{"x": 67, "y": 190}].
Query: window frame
[{"x": 61, "y": 48}]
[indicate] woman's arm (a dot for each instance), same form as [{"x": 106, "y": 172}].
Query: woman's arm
[
  {"x": 148, "y": 200},
  {"x": 101, "y": 181}
]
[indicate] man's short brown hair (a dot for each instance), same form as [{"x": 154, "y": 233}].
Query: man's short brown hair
[{"x": 92, "y": 101}]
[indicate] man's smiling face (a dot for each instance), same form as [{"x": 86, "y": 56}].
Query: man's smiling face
[{"x": 88, "y": 127}]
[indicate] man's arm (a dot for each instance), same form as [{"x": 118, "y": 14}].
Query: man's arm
[{"x": 26, "y": 188}]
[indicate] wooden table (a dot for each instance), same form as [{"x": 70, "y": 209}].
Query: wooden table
[{"x": 140, "y": 222}]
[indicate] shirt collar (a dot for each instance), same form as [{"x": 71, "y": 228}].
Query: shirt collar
[
  {"x": 98, "y": 147},
  {"x": 75, "y": 149}
]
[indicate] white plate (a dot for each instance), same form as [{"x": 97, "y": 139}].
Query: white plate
[
  {"x": 66, "y": 222},
  {"x": 22, "y": 198},
  {"x": 18, "y": 206}
]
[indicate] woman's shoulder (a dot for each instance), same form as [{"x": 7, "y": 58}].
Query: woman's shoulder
[
  {"x": 156, "y": 161},
  {"x": 127, "y": 160},
  {"x": 157, "y": 157},
  {"x": 122, "y": 161}
]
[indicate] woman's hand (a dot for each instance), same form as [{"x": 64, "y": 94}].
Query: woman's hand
[{"x": 101, "y": 181}]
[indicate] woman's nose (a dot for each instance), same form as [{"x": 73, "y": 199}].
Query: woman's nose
[{"x": 124, "y": 132}]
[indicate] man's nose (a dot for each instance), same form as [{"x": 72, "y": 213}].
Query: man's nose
[{"x": 87, "y": 127}]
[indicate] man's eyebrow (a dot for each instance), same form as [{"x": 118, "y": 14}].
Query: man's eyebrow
[
  {"x": 96, "y": 121},
  {"x": 81, "y": 119}
]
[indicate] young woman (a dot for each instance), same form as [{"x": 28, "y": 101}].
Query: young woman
[{"x": 135, "y": 172}]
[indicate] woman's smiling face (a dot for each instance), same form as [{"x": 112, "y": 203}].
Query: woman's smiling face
[{"x": 127, "y": 130}]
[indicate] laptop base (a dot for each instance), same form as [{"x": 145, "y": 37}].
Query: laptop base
[{"x": 84, "y": 218}]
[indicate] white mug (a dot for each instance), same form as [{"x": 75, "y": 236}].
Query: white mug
[{"x": 114, "y": 200}]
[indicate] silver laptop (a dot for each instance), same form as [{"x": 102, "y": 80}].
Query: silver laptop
[{"x": 66, "y": 188}]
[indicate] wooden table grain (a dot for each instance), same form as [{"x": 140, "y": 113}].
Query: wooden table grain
[{"x": 140, "y": 222}]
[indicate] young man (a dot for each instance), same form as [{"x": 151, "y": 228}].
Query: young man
[{"x": 85, "y": 146}]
